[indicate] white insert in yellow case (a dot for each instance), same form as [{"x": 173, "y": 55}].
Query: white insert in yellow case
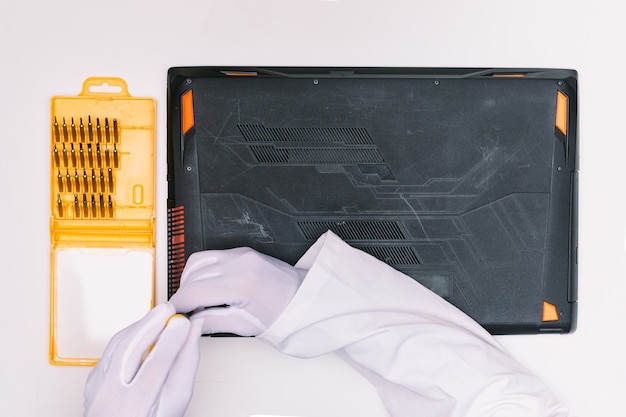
[{"x": 102, "y": 232}]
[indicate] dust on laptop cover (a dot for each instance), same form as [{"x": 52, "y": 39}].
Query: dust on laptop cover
[{"x": 463, "y": 179}]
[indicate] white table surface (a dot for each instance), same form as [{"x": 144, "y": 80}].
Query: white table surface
[{"x": 49, "y": 48}]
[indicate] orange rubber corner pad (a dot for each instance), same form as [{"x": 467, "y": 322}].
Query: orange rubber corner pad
[
  {"x": 187, "y": 111},
  {"x": 549, "y": 312},
  {"x": 562, "y": 102}
]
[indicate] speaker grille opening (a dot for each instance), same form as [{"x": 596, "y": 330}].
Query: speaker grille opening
[
  {"x": 353, "y": 230},
  {"x": 347, "y": 135}
]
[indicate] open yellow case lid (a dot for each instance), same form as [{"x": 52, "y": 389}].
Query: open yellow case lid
[{"x": 102, "y": 205}]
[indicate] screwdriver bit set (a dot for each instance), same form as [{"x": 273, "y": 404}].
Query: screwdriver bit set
[
  {"x": 102, "y": 194},
  {"x": 86, "y": 164}
]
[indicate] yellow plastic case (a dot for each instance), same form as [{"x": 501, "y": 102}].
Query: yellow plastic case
[{"x": 102, "y": 222}]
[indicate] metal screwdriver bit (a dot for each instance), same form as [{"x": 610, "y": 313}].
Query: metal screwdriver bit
[
  {"x": 76, "y": 181},
  {"x": 102, "y": 213},
  {"x": 60, "y": 180},
  {"x": 81, "y": 153},
  {"x": 107, "y": 131},
  {"x": 94, "y": 186},
  {"x": 98, "y": 129},
  {"x": 68, "y": 180},
  {"x": 57, "y": 135},
  {"x": 90, "y": 154},
  {"x": 73, "y": 154},
  {"x": 85, "y": 206},
  {"x": 110, "y": 203},
  {"x": 101, "y": 180},
  {"x": 65, "y": 136},
  {"x": 107, "y": 158},
  {"x": 57, "y": 162},
  {"x": 90, "y": 128},
  {"x": 116, "y": 160},
  {"x": 85, "y": 181},
  {"x": 64, "y": 155},
  {"x": 110, "y": 180},
  {"x": 82, "y": 130},
  {"x": 59, "y": 205},
  {"x": 73, "y": 131},
  {"x": 94, "y": 212},
  {"x": 116, "y": 136}
]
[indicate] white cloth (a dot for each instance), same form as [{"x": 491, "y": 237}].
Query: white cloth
[{"x": 425, "y": 356}]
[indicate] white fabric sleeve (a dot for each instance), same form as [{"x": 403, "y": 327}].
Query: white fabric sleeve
[{"x": 425, "y": 357}]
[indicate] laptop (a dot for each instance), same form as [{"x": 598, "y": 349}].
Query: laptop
[{"x": 464, "y": 179}]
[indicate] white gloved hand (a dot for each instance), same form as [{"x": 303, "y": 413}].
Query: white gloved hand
[
  {"x": 241, "y": 290},
  {"x": 148, "y": 369}
]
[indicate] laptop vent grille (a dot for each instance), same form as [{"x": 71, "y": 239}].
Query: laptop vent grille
[
  {"x": 175, "y": 247},
  {"x": 267, "y": 154},
  {"x": 392, "y": 255},
  {"x": 353, "y": 230},
  {"x": 347, "y": 135}
]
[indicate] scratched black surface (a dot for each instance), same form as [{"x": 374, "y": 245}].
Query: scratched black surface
[{"x": 451, "y": 181}]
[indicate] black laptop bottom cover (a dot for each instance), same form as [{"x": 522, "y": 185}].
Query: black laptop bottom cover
[{"x": 465, "y": 183}]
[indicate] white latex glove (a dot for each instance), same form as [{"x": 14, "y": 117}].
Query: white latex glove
[
  {"x": 238, "y": 291},
  {"x": 147, "y": 369}
]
